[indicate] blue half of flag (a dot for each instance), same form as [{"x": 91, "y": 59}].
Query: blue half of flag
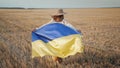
[{"x": 52, "y": 31}]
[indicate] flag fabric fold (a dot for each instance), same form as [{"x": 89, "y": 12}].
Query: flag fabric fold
[{"x": 56, "y": 39}]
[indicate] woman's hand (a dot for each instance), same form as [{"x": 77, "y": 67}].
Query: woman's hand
[
  {"x": 80, "y": 31},
  {"x": 34, "y": 30}
]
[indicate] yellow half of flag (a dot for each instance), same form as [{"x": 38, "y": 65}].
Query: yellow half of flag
[{"x": 60, "y": 47}]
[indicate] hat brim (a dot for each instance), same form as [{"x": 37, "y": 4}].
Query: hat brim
[{"x": 57, "y": 14}]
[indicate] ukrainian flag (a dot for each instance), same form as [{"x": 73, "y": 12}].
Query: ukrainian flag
[{"x": 56, "y": 39}]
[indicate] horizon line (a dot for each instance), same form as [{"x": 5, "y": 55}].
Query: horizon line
[{"x": 51, "y": 8}]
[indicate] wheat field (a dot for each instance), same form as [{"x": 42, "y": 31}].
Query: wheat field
[{"x": 101, "y": 37}]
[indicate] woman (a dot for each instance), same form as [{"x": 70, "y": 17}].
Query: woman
[{"x": 58, "y": 17}]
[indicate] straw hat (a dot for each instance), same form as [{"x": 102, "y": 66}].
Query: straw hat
[{"x": 59, "y": 12}]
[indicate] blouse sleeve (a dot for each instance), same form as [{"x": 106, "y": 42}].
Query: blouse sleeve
[{"x": 69, "y": 25}]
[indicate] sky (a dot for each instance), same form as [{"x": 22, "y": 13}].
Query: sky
[{"x": 60, "y": 3}]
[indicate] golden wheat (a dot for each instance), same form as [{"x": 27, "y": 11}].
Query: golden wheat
[{"x": 100, "y": 28}]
